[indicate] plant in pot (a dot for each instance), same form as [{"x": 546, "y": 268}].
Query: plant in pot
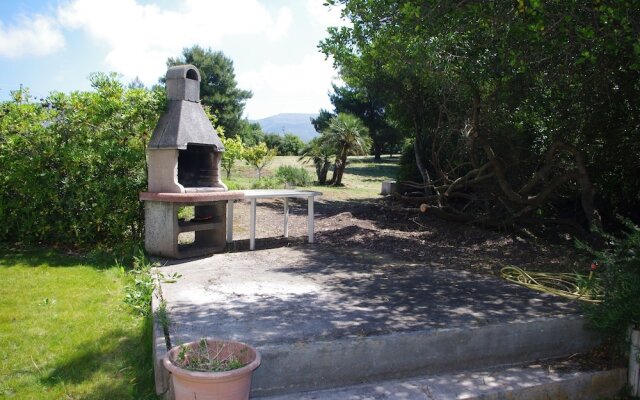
[{"x": 212, "y": 369}]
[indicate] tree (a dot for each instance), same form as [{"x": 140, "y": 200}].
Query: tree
[
  {"x": 218, "y": 88},
  {"x": 251, "y": 133},
  {"x": 519, "y": 111},
  {"x": 273, "y": 141},
  {"x": 321, "y": 122},
  {"x": 348, "y": 136},
  {"x": 259, "y": 156},
  {"x": 320, "y": 155},
  {"x": 291, "y": 145},
  {"x": 233, "y": 151},
  {"x": 361, "y": 103}
]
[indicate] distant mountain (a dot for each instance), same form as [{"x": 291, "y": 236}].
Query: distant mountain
[{"x": 299, "y": 124}]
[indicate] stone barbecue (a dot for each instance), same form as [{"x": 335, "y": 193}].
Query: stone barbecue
[
  {"x": 184, "y": 151},
  {"x": 183, "y": 158}
]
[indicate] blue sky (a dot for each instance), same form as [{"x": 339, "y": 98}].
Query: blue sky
[{"x": 49, "y": 45}]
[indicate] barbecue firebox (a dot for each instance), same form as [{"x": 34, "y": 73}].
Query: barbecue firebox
[{"x": 183, "y": 159}]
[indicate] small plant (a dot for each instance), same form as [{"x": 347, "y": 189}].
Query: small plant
[
  {"x": 139, "y": 289},
  {"x": 209, "y": 356},
  {"x": 295, "y": 176},
  {"x": 267, "y": 183},
  {"x": 233, "y": 185}
]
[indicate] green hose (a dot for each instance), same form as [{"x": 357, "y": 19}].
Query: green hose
[{"x": 571, "y": 286}]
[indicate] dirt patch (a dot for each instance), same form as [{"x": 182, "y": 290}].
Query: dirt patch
[{"x": 380, "y": 226}]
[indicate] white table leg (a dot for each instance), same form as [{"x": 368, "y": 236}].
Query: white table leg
[
  {"x": 229, "y": 221},
  {"x": 286, "y": 217},
  {"x": 252, "y": 225},
  {"x": 310, "y": 218}
]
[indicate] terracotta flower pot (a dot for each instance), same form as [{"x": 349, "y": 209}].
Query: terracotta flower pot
[{"x": 227, "y": 385}]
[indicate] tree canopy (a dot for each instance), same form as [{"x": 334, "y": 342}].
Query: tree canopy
[
  {"x": 517, "y": 109},
  {"x": 218, "y": 88}
]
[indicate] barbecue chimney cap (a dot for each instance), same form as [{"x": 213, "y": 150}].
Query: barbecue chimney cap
[{"x": 183, "y": 83}]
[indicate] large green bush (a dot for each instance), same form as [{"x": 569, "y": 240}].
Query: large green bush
[{"x": 72, "y": 165}]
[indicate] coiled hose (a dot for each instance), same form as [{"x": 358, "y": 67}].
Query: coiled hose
[{"x": 572, "y": 286}]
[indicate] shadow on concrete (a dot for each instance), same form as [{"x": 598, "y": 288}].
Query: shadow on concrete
[{"x": 315, "y": 293}]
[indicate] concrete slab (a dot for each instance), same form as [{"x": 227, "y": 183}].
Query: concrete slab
[
  {"x": 531, "y": 383},
  {"x": 323, "y": 317}
]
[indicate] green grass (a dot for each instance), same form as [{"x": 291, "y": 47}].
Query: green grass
[
  {"x": 362, "y": 178},
  {"x": 65, "y": 332}
]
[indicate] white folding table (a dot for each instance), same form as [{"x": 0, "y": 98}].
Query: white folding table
[{"x": 286, "y": 194}]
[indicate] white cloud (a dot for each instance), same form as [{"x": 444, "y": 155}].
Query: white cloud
[
  {"x": 141, "y": 37},
  {"x": 37, "y": 35},
  {"x": 279, "y": 88},
  {"x": 325, "y": 16}
]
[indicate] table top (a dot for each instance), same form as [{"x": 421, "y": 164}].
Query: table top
[{"x": 274, "y": 193}]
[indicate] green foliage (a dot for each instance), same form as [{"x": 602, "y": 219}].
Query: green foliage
[
  {"x": 233, "y": 151},
  {"x": 531, "y": 73},
  {"x": 273, "y": 141},
  {"x": 251, "y": 133},
  {"x": 259, "y": 156},
  {"x": 140, "y": 284},
  {"x": 233, "y": 185},
  {"x": 218, "y": 88},
  {"x": 348, "y": 136},
  {"x": 72, "y": 166},
  {"x": 618, "y": 270},
  {"x": 268, "y": 183},
  {"x": 287, "y": 145},
  {"x": 291, "y": 145},
  {"x": 294, "y": 176},
  {"x": 408, "y": 170},
  {"x": 369, "y": 109},
  {"x": 320, "y": 155},
  {"x": 321, "y": 122}
]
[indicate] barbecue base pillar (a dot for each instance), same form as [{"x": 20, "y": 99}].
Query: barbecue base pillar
[{"x": 162, "y": 228}]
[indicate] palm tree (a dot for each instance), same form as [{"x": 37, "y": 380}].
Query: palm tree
[
  {"x": 321, "y": 156},
  {"x": 348, "y": 136}
]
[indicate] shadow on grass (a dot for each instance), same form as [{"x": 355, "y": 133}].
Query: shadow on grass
[
  {"x": 125, "y": 360},
  {"x": 30, "y": 256},
  {"x": 372, "y": 171}
]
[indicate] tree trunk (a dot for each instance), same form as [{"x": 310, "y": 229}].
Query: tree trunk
[
  {"x": 377, "y": 152},
  {"x": 426, "y": 178},
  {"x": 341, "y": 167}
]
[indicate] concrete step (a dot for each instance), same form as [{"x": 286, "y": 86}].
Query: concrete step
[
  {"x": 293, "y": 367},
  {"x": 522, "y": 383}
]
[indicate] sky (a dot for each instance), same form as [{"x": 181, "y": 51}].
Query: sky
[{"x": 53, "y": 45}]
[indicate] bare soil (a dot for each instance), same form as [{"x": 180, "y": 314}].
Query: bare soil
[{"x": 382, "y": 226}]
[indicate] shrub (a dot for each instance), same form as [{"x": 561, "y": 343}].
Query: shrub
[
  {"x": 617, "y": 268},
  {"x": 267, "y": 183},
  {"x": 73, "y": 165},
  {"x": 233, "y": 185},
  {"x": 295, "y": 176}
]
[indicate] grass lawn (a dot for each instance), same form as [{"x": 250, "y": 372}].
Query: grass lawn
[
  {"x": 66, "y": 333},
  {"x": 362, "y": 178}
]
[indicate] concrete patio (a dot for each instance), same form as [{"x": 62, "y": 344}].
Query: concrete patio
[{"x": 327, "y": 318}]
